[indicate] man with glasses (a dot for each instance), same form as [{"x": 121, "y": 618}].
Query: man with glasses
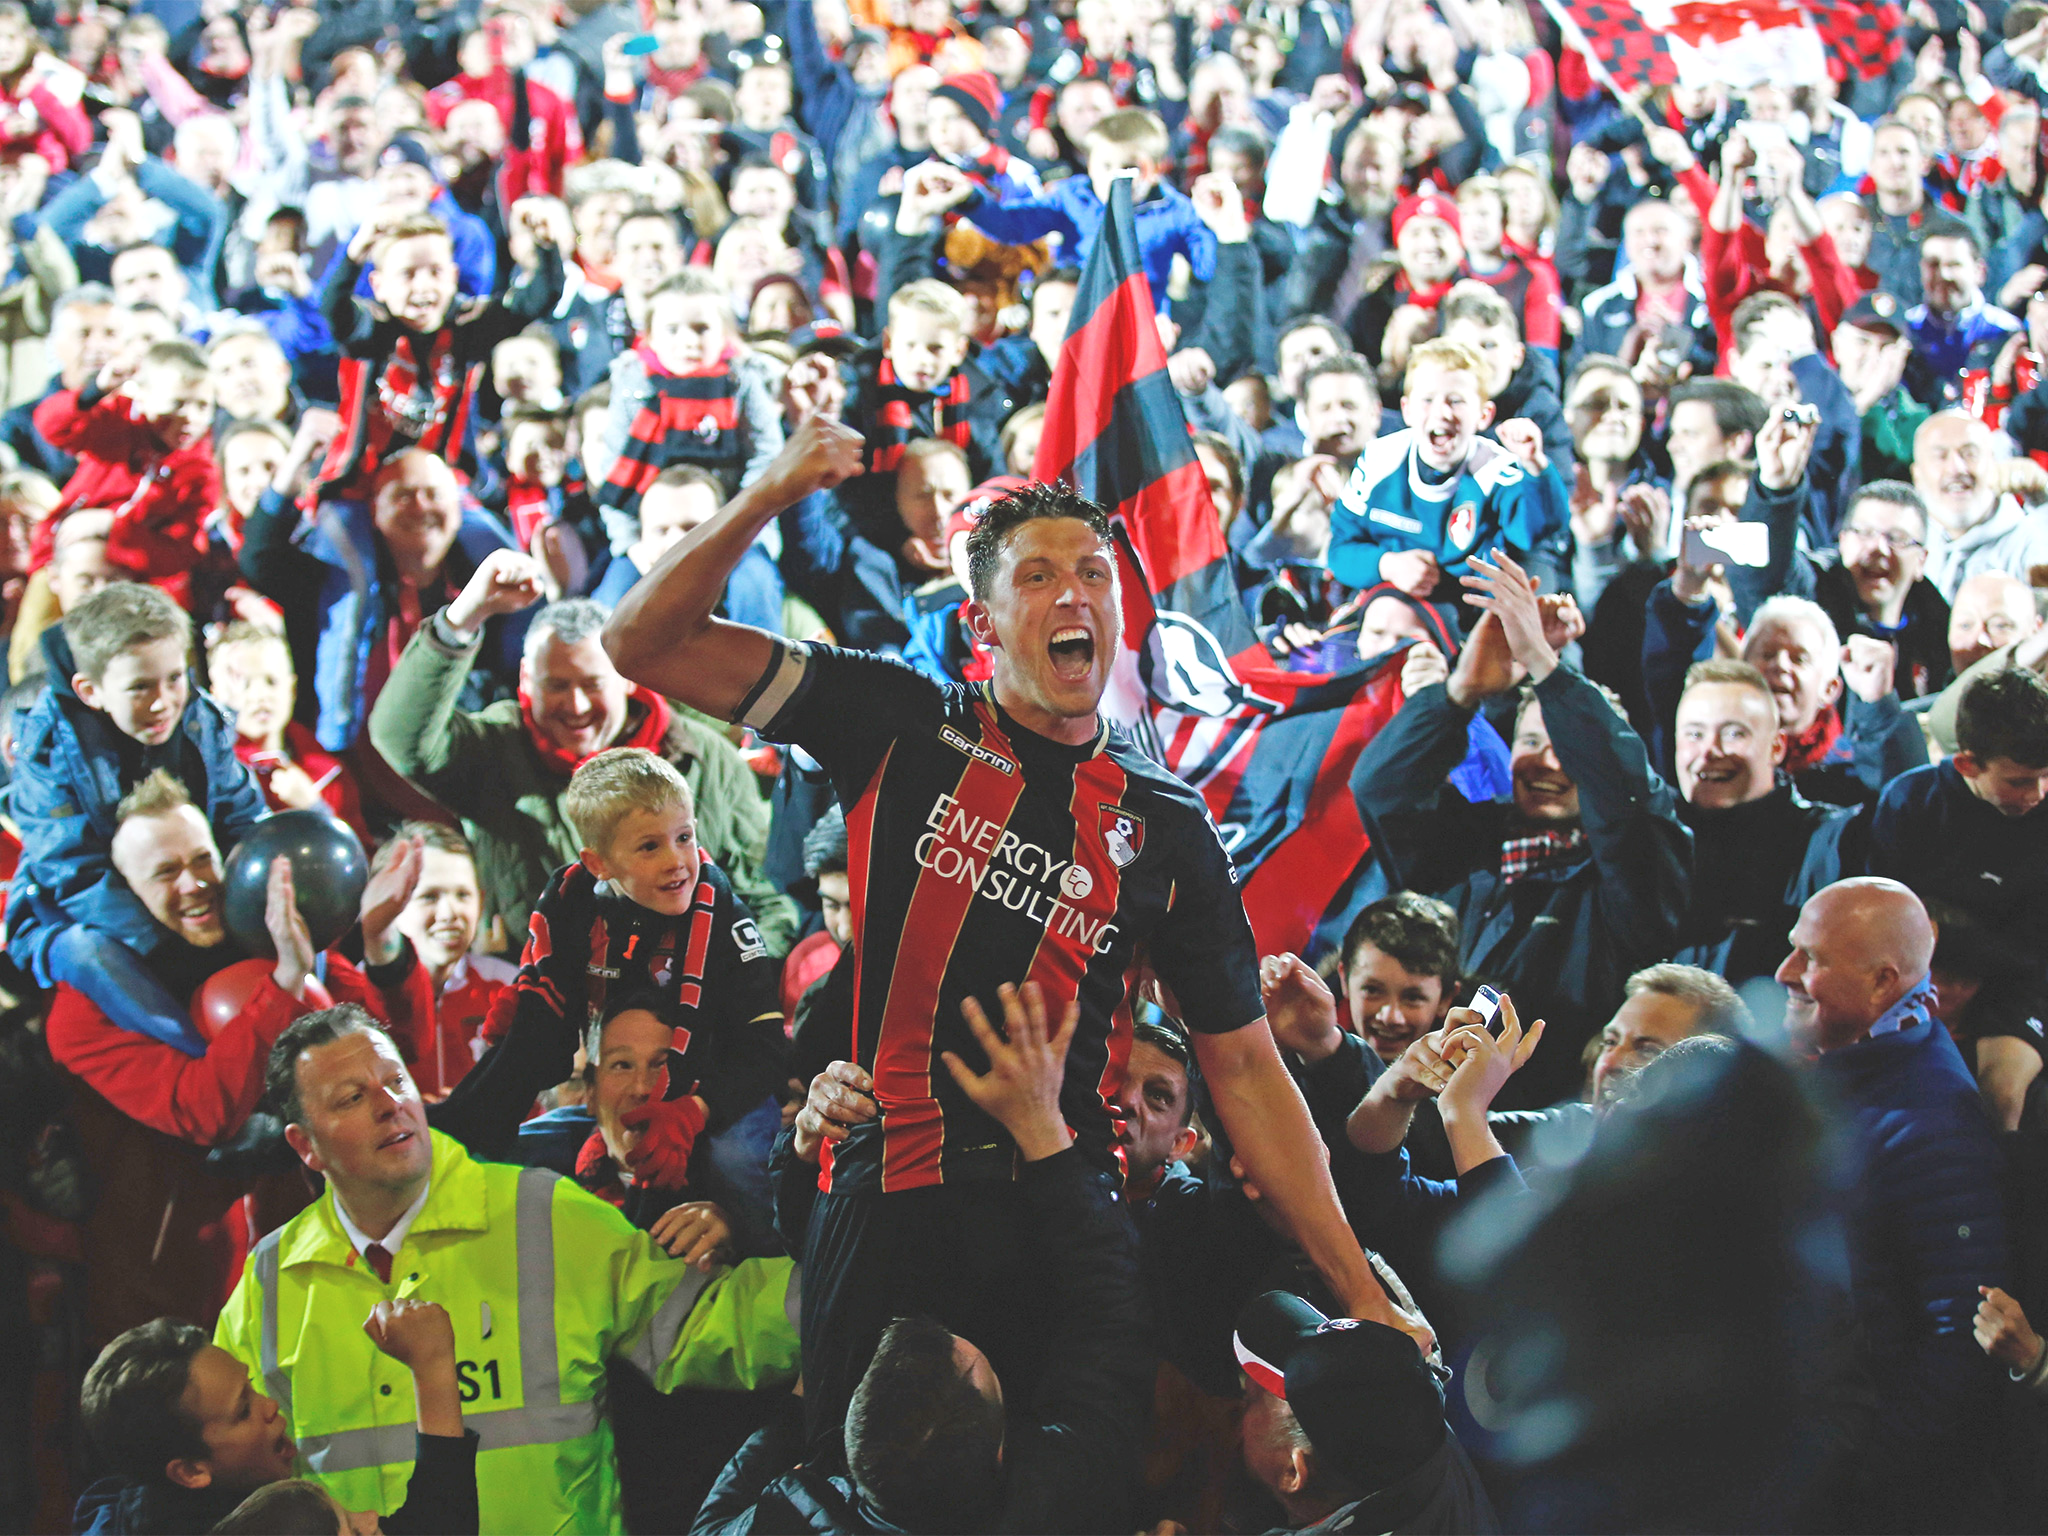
[{"x": 1875, "y": 585}]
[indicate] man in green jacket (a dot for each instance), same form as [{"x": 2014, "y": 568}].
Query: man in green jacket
[
  {"x": 544, "y": 1284},
  {"x": 504, "y": 769}
]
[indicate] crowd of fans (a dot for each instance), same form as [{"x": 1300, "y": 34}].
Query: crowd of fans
[{"x": 1675, "y": 1050}]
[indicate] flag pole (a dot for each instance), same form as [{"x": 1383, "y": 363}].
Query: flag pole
[{"x": 1576, "y": 38}]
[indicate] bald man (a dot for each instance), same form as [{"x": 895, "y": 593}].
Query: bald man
[
  {"x": 1972, "y": 527},
  {"x": 1929, "y": 1217},
  {"x": 1991, "y": 609}
]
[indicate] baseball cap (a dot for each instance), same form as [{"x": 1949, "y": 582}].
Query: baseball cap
[
  {"x": 1879, "y": 313},
  {"x": 1361, "y": 1391},
  {"x": 409, "y": 149},
  {"x": 1430, "y": 204},
  {"x": 967, "y": 515}
]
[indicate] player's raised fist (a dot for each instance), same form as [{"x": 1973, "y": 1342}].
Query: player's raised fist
[{"x": 818, "y": 455}]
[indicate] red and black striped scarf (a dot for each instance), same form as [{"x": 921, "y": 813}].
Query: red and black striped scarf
[
  {"x": 902, "y": 415},
  {"x": 688, "y": 418},
  {"x": 651, "y": 942}
]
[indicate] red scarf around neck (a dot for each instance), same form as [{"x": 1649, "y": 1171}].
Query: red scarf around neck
[
  {"x": 648, "y": 731},
  {"x": 1810, "y": 748}
]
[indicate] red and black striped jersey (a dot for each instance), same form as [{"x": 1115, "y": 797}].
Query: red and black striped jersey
[{"x": 981, "y": 852}]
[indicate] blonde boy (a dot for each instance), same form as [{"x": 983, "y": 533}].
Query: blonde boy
[
  {"x": 643, "y": 909},
  {"x": 1421, "y": 501},
  {"x": 683, "y": 396}
]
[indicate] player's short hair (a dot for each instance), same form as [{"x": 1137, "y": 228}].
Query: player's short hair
[
  {"x": 690, "y": 283},
  {"x": 178, "y": 354},
  {"x": 132, "y": 1406},
  {"x": 306, "y": 1033},
  {"x": 1784, "y": 609},
  {"x": 437, "y": 835},
  {"x": 1726, "y": 669},
  {"x": 2005, "y": 714},
  {"x": 119, "y": 618},
  {"x": 1005, "y": 515},
  {"x": 526, "y": 414},
  {"x": 412, "y": 227},
  {"x": 1417, "y": 932},
  {"x": 1451, "y": 356},
  {"x": 1134, "y": 128},
  {"x": 1718, "y": 1009},
  {"x": 613, "y": 785},
  {"x": 929, "y": 296},
  {"x": 1482, "y": 305},
  {"x": 159, "y": 794},
  {"x": 1735, "y": 408}
]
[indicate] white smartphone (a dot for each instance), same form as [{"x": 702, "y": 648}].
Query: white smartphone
[{"x": 1486, "y": 1003}]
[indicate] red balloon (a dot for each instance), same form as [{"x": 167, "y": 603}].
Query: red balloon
[{"x": 226, "y": 993}]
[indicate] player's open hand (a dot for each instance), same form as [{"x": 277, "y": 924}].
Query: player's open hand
[{"x": 1021, "y": 1088}]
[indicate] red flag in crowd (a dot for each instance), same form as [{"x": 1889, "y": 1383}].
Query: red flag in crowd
[{"x": 1270, "y": 751}]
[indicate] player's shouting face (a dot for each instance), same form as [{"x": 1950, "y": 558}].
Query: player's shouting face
[{"x": 1051, "y": 612}]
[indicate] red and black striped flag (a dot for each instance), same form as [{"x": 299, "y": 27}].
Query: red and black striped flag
[{"x": 1270, "y": 751}]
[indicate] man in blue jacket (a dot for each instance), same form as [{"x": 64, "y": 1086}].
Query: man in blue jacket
[{"x": 1928, "y": 1224}]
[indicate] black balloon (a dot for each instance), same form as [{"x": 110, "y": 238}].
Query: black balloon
[{"x": 329, "y": 872}]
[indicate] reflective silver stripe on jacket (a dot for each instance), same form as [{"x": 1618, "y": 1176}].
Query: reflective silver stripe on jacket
[
  {"x": 659, "y": 1341},
  {"x": 543, "y": 1419},
  {"x": 275, "y": 1382}
]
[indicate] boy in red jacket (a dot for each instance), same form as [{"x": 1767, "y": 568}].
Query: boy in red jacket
[
  {"x": 141, "y": 432},
  {"x": 439, "y": 990}
]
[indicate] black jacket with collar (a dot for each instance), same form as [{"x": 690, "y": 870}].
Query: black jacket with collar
[{"x": 1562, "y": 941}]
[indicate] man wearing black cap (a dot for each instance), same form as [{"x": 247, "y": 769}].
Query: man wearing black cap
[
  {"x": 1344, "y": 1425},
  {"x": 408, "y": 177},
  {"x": 1871, "y": 352}
]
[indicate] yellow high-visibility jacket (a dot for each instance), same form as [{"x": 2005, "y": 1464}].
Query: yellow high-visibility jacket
[{"x": 545, "y": 1284}]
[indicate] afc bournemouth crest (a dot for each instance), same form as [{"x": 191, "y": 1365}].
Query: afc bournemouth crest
[
  {"x": 1123, "y": 835},
  {"x": 1463, "y": 524}
]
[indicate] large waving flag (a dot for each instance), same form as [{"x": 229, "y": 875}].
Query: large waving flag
[
  {"x": 1737, "y": 43},
  {"x": 1270, "y": 751}
]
